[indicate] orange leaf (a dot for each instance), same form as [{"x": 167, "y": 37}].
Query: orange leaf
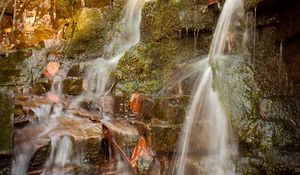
[
  {"x": 139, "y": 150},
  {"x": 136, "y": 103},
  {"x": 46, "y": 74},
  {"x": 52, "y": 68}
]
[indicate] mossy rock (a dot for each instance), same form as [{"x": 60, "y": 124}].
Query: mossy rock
[
  {"x": 160, "y": 19},
  {"x": 73, "y": 85},
  {"x": 41, "y": 86},
  {"x": 74, "y": 71},
  {"x": 10, "y": 70},
  {"x": 41, "y": 155},
  {"x": 92, "y": 149},
  {"x": 165, "y": 137},
  {"x": 6, "y": 111},
  {"x": 170, "y": 109},
  {"x": 89, "y": 32}
]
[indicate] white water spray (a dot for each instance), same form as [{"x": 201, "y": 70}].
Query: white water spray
[
  {"x": 205, "y": 146},
  {"x": 125, "y": 39}
]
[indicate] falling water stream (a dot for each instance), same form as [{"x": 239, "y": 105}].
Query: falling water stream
[
  {"x": 124, "y": 40},
  {"x": 55, "y": 123},
  {"x": 205, "y": 146}
]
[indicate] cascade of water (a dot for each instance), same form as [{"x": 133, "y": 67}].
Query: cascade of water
[
  {"x": 61, "y": 152},
  {"x": 126, "y": 38},
  {"x": 205, "y": 147},
  {"x": 50, "y": 116}
]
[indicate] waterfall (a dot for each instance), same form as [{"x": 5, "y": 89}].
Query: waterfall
[
  {"x": 125, "y": 39},
  {"x": 205, "y": 146},
  {"x": 52, "y": 117}
]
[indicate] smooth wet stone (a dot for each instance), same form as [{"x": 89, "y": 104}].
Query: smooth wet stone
[
  {"x": 165, "y": 137},
  {"x": 74, "y": 71},
  {"x": 41, "y": 86},
  {"x": 73, "y": 85},
  {"x": 37, "y": 89},
  {"x": 87, "y": 137},
  {"x": 170, "y": 109},
  {"x": 107, "y": 104},
  {"x": 6, "y": 117},
  {"x": 125, "y": 134},
  {"x": 121, "y": 106}
]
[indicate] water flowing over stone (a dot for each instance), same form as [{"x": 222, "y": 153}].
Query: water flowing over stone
[
  {"x": 55, "y": 132},
  {"x": 124, "y": 39},
  {"x": 205, "y": 147}
]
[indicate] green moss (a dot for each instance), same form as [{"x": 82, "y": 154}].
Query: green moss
[
  {"x": 65, "y": 8},
  {"x": 6, "y": 130},
  {"x": 89, "y": 32},
  {"x": 9, "y": 72},
  {"x": 72, "y": 85},
  {"x": 165, "y": 137},
  {"x": 161, "y": 19}
]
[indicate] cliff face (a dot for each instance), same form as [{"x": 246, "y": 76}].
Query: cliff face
[{"x": 261, "y": 96}]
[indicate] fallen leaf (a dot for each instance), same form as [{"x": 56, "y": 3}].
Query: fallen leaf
[
  {"x": 52, "y": 68},
  {"x": 140, "y": 149},
  {"x": 136, "y": 103}
]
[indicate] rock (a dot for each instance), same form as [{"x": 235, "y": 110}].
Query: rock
[
  {"x": 170, "y": 109},
  {"x": 41, "y": 86},
  {"x": 165, "y": 137},
  {"x": 86, "y": 136},
  {"x": 37, "y": 89},
  {"x": 97, "y": 3},
  {"x": 123, "y": 132},
  {"x": 121, "y": 107},
  {"x": 7, "y": 113},
  {"x": 89, "y": 30},
  {"x": 52, "y": 43},
  {"x": 73, "y": 85},
  {"x": 144, "y": 164},
  {"x": 74, "y": 71},
  {"x": 6, "y": 132},
  {"x": 10, "y": 70},
  {"x": 107, "y": 104}
]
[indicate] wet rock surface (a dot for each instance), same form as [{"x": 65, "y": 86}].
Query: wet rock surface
[
  {"x": 86, "y": 135},
  {"x": 73, "y": 85},
  {"x": 165, "y": 137},
  {"x": 6, "y": 111},
  {"x": 262, "y": 101}
]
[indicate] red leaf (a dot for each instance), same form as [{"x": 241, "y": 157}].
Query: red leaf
[
  {"x": 136, "y": 103},
  {"x": 51, "y": 69},
  {"x": 140, "y": 149}
]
